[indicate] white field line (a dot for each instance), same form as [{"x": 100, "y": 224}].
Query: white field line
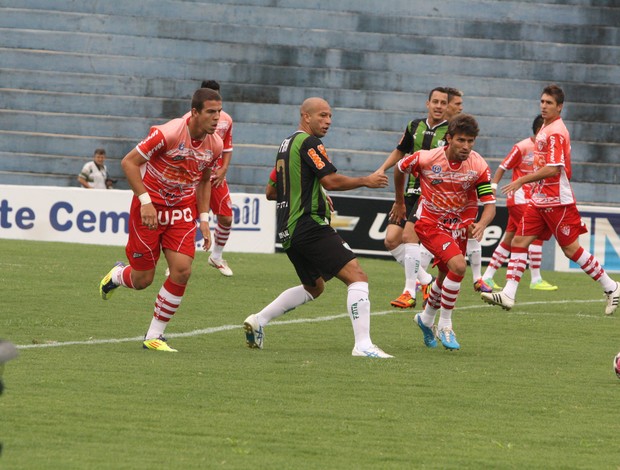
[{"x": 217, "y": 329}]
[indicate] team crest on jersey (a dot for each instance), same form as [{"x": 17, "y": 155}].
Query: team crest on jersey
[
  {"x": 565, "y": 229},
  {"x": 182, "y": 146},
  {"x": 436, "y": 169}
]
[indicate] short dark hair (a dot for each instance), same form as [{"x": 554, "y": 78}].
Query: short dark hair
[
  {"x": 537, "y": 124},
  {"x": 440, "y": 89},
  {"x": 452, "y": 92},
  {"x": 99, "y": 151},
  {"x": 210, "y": 84},
  {"x": 555, "y": 91},
  {"x": 204, "y": 94},
  {"x": 463, "y": 124}
]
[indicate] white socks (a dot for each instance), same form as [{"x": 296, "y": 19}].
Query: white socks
[
  {"x": 286, "y": 301},
  {"x": 358, "y": 306}
]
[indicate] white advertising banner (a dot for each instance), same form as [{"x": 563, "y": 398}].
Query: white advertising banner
[{"x": 100, "y": 216}]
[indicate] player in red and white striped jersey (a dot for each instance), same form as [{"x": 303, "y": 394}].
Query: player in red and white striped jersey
[
  {"x": 552, "y": 209},
  {"x": 453, "y": 179},
  {"x": 169, "y": 173},
  {"x": 520, "y": 160}
]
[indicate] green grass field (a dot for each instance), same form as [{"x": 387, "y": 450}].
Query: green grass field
[{"x": 530, "y": 388}]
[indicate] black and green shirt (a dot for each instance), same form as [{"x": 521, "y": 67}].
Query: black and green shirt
[
  {"x": 419, "y": 136},
  {"x": 301, "y": 203}
]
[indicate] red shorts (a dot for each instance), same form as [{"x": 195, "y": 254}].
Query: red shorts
[
  {"x": 220, "y": 201},
  {"x": 176, "y": 231},
  {"x": 515, "y": 213},
  {"x": 443, "y": 243},
  {"x": 563, "y": 222}
]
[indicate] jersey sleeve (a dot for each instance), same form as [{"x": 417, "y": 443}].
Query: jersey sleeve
[
  {"x": 153, "y": 145},
  {"x": 483, "y": 187},
  {"x": 228, "y": 139},
  {"x": 406, "y": 141},
  {"x": 410, "y": 164},
  {"x": 513, "y": 159},
  {"x": 556, "y": 156},
  {"x": 273, "y": 177},
  {"x": 313, "y": 153}
]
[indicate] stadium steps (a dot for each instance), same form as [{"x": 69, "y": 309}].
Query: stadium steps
[{"x": 372, "y": 78}]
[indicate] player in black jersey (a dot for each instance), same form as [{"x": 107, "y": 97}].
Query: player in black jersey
[
  {"x": 302, "y": 173},
  {"x": 420, "y": 134}
]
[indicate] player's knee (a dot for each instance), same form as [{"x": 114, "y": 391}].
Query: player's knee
[
  {"x": 225, "y": 220},
  {"x": 142, "y": 280},
  {"x": 458, "y": 266},
  {"x": 315, "y": 290},
  {"x": 390, "y": 244},
  {"x": 180, "y": 275}
]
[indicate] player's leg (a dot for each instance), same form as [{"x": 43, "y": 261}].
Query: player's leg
[
  {"x": 168, "y": 300},
  {"x": 474, "y": 253},
  {"x": 411, "y": 263},
  {"x": 502, "y": 251},
  {"x": 143, "y": 251},
  {"x": 311, "y": 287},
  {"x": 531, "y": 226},
  {"x": 221, "y": 206},
  {"x": 568, "y": 239},
  {"x": 535, "y": 257},
  {"x": 358, "y": 306}
]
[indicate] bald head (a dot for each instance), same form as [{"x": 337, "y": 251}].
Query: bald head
[{"x": 315, "y": 116}]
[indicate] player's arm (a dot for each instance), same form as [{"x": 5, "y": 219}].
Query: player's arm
[
  {"x": 314, "y": 155},
  {"x": 220, "y": 173},
  {"x": 486, "y": 217},
  {"x": 271, "y": 191},
  {"x": 391, "y": 160},
  {"x": 131, "y": 164},
  {"x": 402, "y": 168},
  {"x": 486, "y": 195},
  {"x": 541, "y": 174},
  {"x": 203, "y": 201},
  {"x": 338, "y": 182}
]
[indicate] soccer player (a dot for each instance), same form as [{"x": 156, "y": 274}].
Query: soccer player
[
  {"x": 420, "y": 134},
  {"x": 552, "y": 209},
  {"x": 169, "y": 173},
  {"x": 318, "y": 253},
  {"x": 221, "y": 204},
  {"x": 453, "y": 179},
  {"x": 521, "y": 161},
  {"x": 474, "y": 249}
]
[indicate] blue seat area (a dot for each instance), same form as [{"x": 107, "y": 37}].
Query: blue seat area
[{"x": 81, "y": 75}]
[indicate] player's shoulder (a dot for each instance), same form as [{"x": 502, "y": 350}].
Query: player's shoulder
[
  {"x": 224, "y": 116},
  {"x": 415, "y": 123},
  {"x": 477, "y": 160}
]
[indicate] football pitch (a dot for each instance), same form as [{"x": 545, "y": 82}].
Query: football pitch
[{"x": 530, "y": 388}]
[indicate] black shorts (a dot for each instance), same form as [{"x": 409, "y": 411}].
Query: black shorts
[
  {"x": 320, "y": 252},
  {"x": 411, "y": 206}
]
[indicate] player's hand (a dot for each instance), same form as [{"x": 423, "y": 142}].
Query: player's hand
[
  {"x": 148, "y": 215},
  {"x": 377, "y": 180},
  {"x": 476, "y": 230},
  {"x": 330, "y": 202},
  {"x": 398, "y": 212},
  {"x": 512, "y": 187},
  {"x": 218, "y": 177},
  {"x": 206, "y": 234}
]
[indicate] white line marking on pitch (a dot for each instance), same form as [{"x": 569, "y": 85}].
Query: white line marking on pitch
[{"x": 217, "y": 329}]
